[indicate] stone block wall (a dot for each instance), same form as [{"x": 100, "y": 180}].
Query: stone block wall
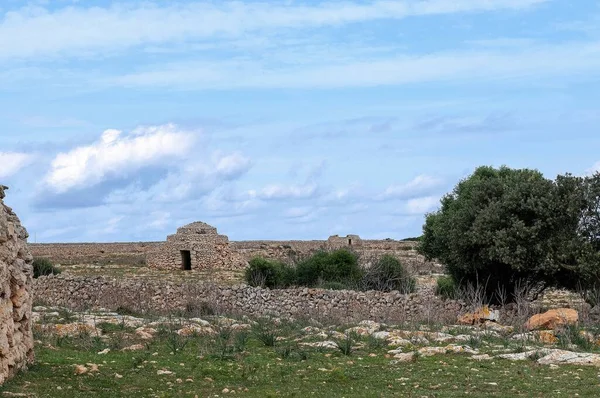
[
  {"x": 16, "y": 275},
  {"x": 78, "y": 292}
]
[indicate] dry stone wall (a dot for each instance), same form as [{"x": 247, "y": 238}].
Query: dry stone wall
[
  {"x": 240, "y": 251},
  {"x": 16, "y": 274},
  {"x": 138, "y": 294}
]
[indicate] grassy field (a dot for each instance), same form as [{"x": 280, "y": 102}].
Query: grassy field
[{"x": 270, "y": 361}]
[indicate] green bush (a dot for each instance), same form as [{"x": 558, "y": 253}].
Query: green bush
[
  {"x": 446, "y": 288},
  {"x": 388, "y": 274},
  {"x": 269, "y": 273},
  {"x": 43, "y": 266},
  {"x": 322, "y": 267},
  {"x": 501, "y": 227}
]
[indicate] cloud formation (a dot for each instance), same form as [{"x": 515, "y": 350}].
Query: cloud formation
[
  {"x": 419, "y": 186},
  {"x": 116, "y": 155},
  {"x": 75, "y": 30},
  {"x": 12, "y": 162}
]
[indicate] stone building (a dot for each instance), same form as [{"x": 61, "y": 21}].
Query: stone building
[
  {"x": 16, "y": 275},
  {"x": 339, "y": 242},
  {"x": 195, "y": 246}
]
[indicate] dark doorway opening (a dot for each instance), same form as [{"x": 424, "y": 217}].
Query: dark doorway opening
[
  {"x": 349, "y": 242},
  {"x": 186, "y": 260}
]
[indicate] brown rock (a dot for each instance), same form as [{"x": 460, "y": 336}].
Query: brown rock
[
  {"x": 552, "y": 319},
  {"x": 480, "y": 316}
]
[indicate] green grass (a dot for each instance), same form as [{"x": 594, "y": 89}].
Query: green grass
[{"x": 205, "y": 365}]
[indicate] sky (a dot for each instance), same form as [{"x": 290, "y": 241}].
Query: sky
[{"x": 121, "y": 121}]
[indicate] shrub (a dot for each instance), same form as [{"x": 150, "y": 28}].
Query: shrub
[
  {"x": 446, "y": 288},
  {"x": 323, "y": 267},
  {"x": 43, "y": 266},
  {"x": 269, "y": 273},
  {"x": 388, "y": 274}
]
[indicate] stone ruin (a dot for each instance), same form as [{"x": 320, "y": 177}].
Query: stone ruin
[
  {"x": 339, "y": 242},
  {"x": 16, "y": 275},
  {"x": 196, "y": 246}
]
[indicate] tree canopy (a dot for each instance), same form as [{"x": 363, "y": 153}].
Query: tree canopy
[{"x": 503, "y": 227}]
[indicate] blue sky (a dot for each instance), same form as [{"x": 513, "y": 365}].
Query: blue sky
[{"x": 283, "y": 119}]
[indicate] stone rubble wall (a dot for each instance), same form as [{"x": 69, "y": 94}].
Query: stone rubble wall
[
  {"x": 78, "y": 292},
  {"x": 242, "y": 251},
  {"x": 16, "y": 275},
  {"x": 82, "y": 253}
]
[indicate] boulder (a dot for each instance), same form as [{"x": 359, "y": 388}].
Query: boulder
[
  {"x": 482, "y": 315},
  {"x": 553, "y": 319}
]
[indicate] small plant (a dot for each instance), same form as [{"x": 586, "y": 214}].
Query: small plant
[
  {"x": 224, "y": 346},
  {"x": 285, "y": 352},
  {"x": 446, "y": 288},
  {"x": 345, "y": 345},
  {"x": 240, "y": 341},
  {"x": 265, "y": 333},
  {"x": 43, "y": 266},
  {"x": 574, "y": 335}
]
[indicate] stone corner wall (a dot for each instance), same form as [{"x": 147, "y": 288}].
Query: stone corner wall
[{"x": 16, "y": 275}]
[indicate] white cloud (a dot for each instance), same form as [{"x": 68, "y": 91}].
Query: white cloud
[
  {"x": 531, "y": 62},
  {"x": 232, "y": 165},
  {"x": 419, "y": 186},
  {"x": 115, "y": 155},
  {"x": 12, "y": 162},
  {"x": 283, "y": 192},
  {"x": 75, "y": 30},
  {"x": 422, "y": 205}
]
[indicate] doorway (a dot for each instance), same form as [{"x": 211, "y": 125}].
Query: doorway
[{"x": 186, "y": 260}]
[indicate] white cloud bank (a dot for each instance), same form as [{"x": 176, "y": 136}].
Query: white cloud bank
[
  {"x": 12, "y": 162},
  {"x": 76, "y": 30},
  {"x": 417, "y": 187},
  {"x": 115, "y": 155}
]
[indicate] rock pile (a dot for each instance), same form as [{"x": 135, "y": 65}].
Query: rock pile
[{"x": 16, "y": 273}]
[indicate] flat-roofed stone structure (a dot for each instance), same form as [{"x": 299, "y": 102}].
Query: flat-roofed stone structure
[
  {"x": 339, "y": 242},
  {"x": 195, "y": 246},
  {"x": 16, "y": 276}
]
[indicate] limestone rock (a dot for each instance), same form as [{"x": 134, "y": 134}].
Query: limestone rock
[
  {"x": 480, "y": 316},
  {"x": 552, "y": 319}
]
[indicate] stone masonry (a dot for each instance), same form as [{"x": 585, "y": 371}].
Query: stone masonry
[
  {"x": 195, "y": 246},
  {"x": 16, "y": 275}
]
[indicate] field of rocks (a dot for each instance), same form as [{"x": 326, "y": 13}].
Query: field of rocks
[{"x": 80, "y": 354}]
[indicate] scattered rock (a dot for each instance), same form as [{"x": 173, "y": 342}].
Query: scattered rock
[
  {"x": 80, "y": 370},
  {"x": 552, "y": 319},
  {"x": 404, "y": 357},
  {"x": 480, "y": 316},
  {"x": 135, "y": 347}
]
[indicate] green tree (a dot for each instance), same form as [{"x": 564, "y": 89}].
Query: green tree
[{"x": 501, "y": 227}]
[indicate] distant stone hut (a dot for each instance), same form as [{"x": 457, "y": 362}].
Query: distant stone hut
[
  {"x": 195, "y": 246},
  {"x": 339, "y": 242}
]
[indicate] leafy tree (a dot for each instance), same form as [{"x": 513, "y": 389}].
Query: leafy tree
[
  {"x": 588, "y": 232},
  {"x": 500, "y": 227}
]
